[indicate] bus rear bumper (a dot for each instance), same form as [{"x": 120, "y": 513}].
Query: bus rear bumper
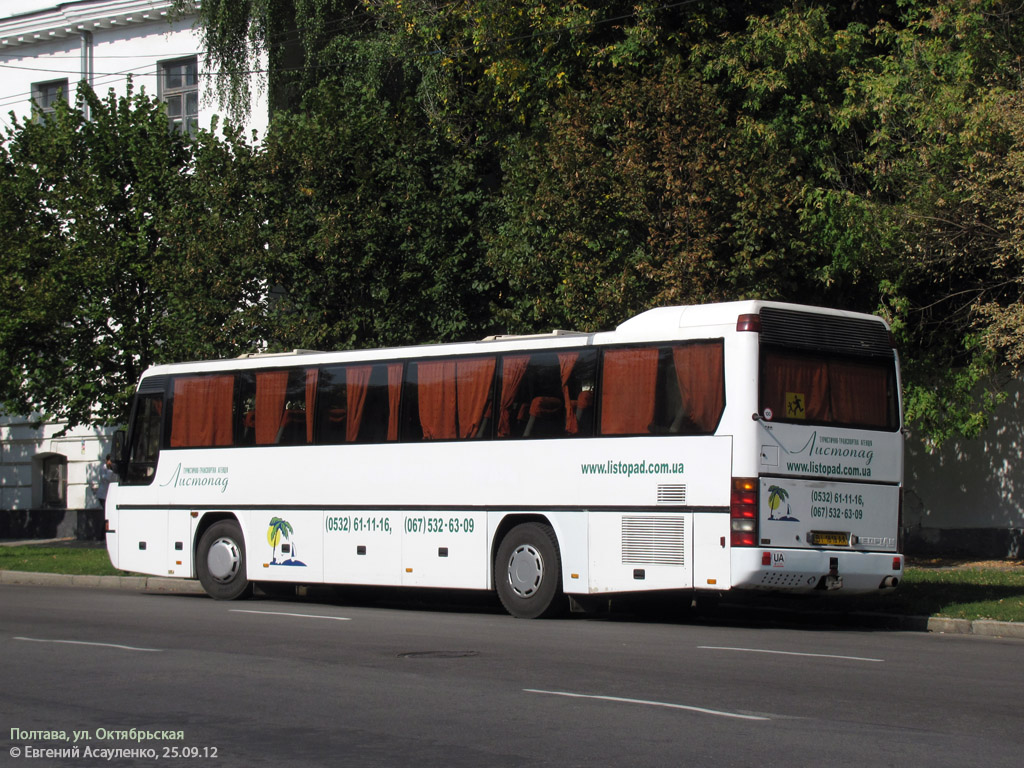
[{"x": 806, "y": 570}]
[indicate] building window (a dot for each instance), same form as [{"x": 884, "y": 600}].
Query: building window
[
  {"x": 55, "y": 482},
  {"x": 179, "y": 89},
  {"x": 46, "y": 95}
]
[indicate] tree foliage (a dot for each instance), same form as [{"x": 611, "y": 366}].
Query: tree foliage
[
  {"x": 123, "y": 244},
  {"x": 372, "y": 227},
  {"x": 436, "y": 171}
]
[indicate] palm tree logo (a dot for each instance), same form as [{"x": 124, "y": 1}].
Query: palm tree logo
[
  {"x": 777, "y": 495},
  {"x": 278, "y": 529}
]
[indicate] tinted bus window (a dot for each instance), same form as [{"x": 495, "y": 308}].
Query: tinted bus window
[
  {"x": 145, "y": 439},
  {"x": 359, "y": 403},
  {"x": 676, "y": 389},
  {"x": 448, "y": 399},
  {"x": 202, "y": 410},
  {"x": 547, "y": 394},
  {"x": 823, "y": 388},
  {"x": 277, "y": 406}
]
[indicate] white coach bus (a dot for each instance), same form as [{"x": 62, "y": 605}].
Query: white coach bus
[{"x": 745, "y": 445}]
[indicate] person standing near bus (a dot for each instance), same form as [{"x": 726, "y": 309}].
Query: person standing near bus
[{"x": 106, "y": 475}]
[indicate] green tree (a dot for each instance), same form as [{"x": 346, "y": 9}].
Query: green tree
[
  {"x": 112, "y": 257},
  {"x": 372, "y": 226},
  {"x": 942, "y": 153},
  {"x": 859, "y": 155}
]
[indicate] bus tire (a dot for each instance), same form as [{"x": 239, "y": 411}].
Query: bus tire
[
  {"x": 528, "y": 572},
  {"x": 220, "y": 562}
]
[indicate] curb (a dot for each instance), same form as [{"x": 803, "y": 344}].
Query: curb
[
  {"x": 137, "y": 583},
  {"x": 982, "y": 627}
]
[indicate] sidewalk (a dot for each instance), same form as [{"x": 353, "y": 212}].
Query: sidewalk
[{"x": 137, "y": 583}]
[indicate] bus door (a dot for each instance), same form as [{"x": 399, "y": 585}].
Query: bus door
[{"x": 139, "y": 525}]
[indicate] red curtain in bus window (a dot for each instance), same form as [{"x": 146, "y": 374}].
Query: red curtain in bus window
[
  {"x": 312, "y": 376},
  {"x": 394, "y": 397},
  {"x": 202, "y": 411},
  {"x": 566, "y": 362},
  {"x": 859, "y": 393},
  {"x": 474, "y": 391},
  {"x": 357, "y": 384},
  {"x": 627, "y": 394},
  {"x": 436, "y": 392},
  {"x": 271, "y": 392},
  {"x": 700, "y": 375},
  {"x": 513, "y": 367},
  {"x": 796, "y": 387}
]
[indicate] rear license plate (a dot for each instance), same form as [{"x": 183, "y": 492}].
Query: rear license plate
[{"x": 829, "y": 539}]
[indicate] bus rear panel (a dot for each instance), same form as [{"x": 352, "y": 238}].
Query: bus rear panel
[{"x": 829, "y": 456}]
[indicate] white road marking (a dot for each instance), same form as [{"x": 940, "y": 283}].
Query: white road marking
[
  {"x": 99, "y": 645},
  {"x": 668, "y": 705},
  {"x": 786, "y": 653},
  {"x": 300, "y": 615}
]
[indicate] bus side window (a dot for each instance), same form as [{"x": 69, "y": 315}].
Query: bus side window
[
  {"x": 699, "y": 370},
  {"x": 202, "y": 411},
  {"x": 332, "y": 406},
  {"x": 448, "y": 399},
  {"x": 628, "y": 385},
  {"x": 547, "y": 394},
  {"x": 275, "y": 407},
  {"x": 358, "y": 403},
  {"x": 677, "y": 389},
  {"x": 145, "y": 440}
]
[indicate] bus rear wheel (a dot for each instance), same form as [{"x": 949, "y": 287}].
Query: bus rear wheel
[
  {"x": 220, "y": 562},
  {"x": 528, "y": 572}
]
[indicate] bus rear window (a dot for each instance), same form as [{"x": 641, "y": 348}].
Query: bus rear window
[{"x": 826, "y": 389}]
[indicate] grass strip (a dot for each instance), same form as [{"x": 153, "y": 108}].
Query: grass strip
[
  {"x": 75, "y": 561},
  {"x": 994, "y": 593}
]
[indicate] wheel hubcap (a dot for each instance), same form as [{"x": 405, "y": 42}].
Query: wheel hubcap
[
  {"x": 525, "y": 570},
  {"x": 224, "y": 560}
]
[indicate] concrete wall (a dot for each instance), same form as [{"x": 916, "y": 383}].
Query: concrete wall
[{"x": 967, "y": 498}]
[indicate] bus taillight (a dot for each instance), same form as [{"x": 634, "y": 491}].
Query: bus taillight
[
  {"x": 749, "y": 323},
  {"x": 743, "y": 511}
]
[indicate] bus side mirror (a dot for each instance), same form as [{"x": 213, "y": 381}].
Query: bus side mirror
[{"x": 117, "y": 452}]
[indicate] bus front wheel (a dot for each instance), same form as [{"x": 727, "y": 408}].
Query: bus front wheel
[
  {"x": 220, "y": 562},
  {"x": 528, "y": 572}
]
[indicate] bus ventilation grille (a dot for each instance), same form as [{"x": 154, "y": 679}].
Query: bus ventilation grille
[
  {"x": 654, "y": 540},
  {"x": 671, "y": 494},
  {"x": 852, "y": 336}
]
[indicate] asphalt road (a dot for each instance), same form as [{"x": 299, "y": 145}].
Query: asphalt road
[{"x": 323, "y": 682}]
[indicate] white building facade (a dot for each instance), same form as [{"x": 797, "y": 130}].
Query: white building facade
[{"x": 46, "y": 49}]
